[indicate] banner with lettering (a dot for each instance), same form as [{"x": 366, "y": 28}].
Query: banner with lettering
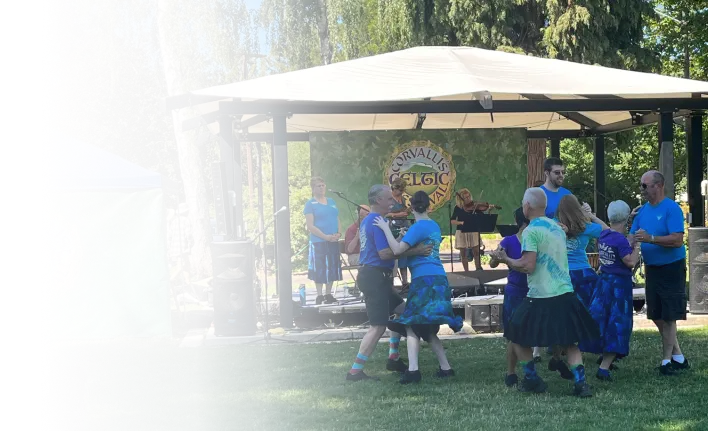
[
  {"x": 490, "y": 163},
  {"x": 103, "y": 266}
]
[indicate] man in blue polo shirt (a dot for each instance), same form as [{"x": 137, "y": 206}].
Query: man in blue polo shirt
[
  {"x": 658, "y": 226},
  {"x": 554, "y": 171}
]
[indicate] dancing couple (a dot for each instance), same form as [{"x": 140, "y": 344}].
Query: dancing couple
[{"x": 429, "y": 299}]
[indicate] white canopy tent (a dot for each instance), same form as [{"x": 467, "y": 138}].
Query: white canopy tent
[
  {"x": 446, "y": 88},
  {"x": 450, "y": 74}
]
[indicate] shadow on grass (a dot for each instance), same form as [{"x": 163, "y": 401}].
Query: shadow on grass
[{"x": 302, "y": 387}]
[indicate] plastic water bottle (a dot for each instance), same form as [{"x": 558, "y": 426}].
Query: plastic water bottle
[{"x": 303, "y": 295}]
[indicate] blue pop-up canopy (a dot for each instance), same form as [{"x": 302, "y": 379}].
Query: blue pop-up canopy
[{"x": 70, "y": 165}]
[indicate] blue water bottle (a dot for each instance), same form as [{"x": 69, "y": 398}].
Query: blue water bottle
[{"x": 303, "y": 295}]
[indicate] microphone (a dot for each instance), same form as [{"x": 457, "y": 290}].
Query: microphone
[
  {"x": 335, "y": 192},
  {"x": 280, "y": 211}
]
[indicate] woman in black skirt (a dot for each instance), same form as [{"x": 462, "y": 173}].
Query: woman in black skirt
[{"x": 551, "y": 314}]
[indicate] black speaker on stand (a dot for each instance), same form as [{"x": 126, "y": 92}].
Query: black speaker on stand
[{"x": 233, "y": 263}]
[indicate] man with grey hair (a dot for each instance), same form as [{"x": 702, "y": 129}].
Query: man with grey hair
[
  {"x": 658, "y": 227},
  {"x": 375, "y": 280},
  {"x": 551, "y": 314}
]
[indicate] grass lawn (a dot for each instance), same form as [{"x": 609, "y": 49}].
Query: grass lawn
[{"x": 301, "y": 387}]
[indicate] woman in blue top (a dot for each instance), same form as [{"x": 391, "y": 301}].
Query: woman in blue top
[
  {"x": 324, "y": 262},
  {"x": 581, "y": 226},
  {"x": 611, "y": 305},
  {"x": 515, "y": 291},
  {"x": 428, "y": 304}
]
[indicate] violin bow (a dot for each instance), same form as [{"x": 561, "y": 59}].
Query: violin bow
[{"x": 478, "y": 200}]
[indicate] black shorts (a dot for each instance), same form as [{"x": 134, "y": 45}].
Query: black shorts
[
  {"x": 666, "y": 291},
  {"x": 377, "y": 286}
]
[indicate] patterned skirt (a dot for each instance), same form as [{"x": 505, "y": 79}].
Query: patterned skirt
[
  {"x": 611, "y": 308},
  {"x": 427, "y": 307},
  {"x": 584, "y": 282},
  {"x": 324, "y": 262}
]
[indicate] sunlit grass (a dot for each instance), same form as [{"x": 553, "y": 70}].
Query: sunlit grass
[{"x": 289, "y": 387}]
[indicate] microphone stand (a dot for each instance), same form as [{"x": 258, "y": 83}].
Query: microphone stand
[
  {"x": 344, "y": 198},
  {"x": 262, "y": 235},
  {"x": 449, "y": 216}
]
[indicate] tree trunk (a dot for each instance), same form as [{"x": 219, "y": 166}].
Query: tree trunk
[
  {"x": 190, "y": 157},
  {"x": 534, "y": 161},
  {"x": 323, "y": 32}
]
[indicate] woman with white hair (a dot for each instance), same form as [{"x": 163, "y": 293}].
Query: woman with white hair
[{"x": 611, "y": 305}]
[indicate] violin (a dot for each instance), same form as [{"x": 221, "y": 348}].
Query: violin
[
  {"x": 477, "y": 206},
  {"x": 474, "y": 206}
]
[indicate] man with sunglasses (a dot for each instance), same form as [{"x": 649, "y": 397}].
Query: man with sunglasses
[
  {"x": 554, "y": 170},
  {"x": 658, "y": 226}
]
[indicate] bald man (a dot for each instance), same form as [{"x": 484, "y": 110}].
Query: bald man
[
  {"x": 658, "y": 227},
  {"x": 551, "y": 314}
]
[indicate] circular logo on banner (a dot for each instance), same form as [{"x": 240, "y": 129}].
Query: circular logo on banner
[
  {"x": 59, "y": 255},
  {"x": 424, "y": 166}
]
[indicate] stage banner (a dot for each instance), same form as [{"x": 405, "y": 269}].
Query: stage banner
[
  {"x": 103, "y": 266},
  {"x": 490, "y": 163}
]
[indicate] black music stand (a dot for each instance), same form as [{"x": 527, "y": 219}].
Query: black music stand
[{"x": 483, "y": 223}]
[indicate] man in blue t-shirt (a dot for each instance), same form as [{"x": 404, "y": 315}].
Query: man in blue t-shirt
[
  {"x": 658, "y": 226},
  {"x": 554, "y": 171},
  {"x": 375, "y": 280}
]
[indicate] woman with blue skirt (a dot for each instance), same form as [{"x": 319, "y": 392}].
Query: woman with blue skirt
[
  {"x": 581, "y": 226},
  {"x": 611, "y": 305},
  {"x": 324, "y": 260}
]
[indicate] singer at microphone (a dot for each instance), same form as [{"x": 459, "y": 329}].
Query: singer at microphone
[{"x": 322, "y": 217}]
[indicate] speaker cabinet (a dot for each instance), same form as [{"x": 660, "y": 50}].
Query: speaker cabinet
[
  {"x": 483, "y": 316},
  {"x": 233, "y": 286},
  {"x": 698, "y": 269}
]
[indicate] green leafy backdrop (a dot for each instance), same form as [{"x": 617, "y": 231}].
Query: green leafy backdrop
[{"x": 492, "y": 161}]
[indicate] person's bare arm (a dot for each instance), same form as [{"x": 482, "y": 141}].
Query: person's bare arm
[
  {"x": 494, "y": 262},
  {"x": 395, "y": 246},
  {"x": 353, "y": 244},
  {"x": 673, "y": 240},
  {"x": 419, "y": 250},
  {"x": 525, "y": 264},
  {"x": 631, "y": 259}
]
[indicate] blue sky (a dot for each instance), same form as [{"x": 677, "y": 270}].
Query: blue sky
[{"x": 255, "y": 4}]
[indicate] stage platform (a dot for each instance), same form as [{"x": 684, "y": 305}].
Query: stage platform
[
  {"x": 477, "y": 295},
  {"x": 472, "y": 285}
]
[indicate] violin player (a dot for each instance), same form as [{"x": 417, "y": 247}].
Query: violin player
[{"x": 465, "y": 238}]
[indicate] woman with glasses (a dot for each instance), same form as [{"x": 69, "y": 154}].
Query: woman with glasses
[{"x": 324, "y": 261}]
